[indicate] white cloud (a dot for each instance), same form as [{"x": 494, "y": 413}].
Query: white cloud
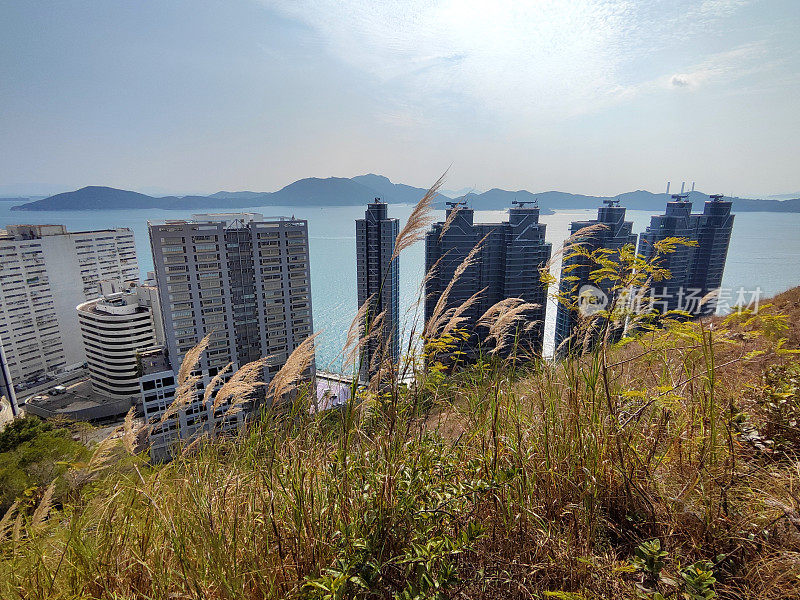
[
  {"x": 717, "y": 8},
  {"x": 723, "y": 67},
  {"x": 546, "y": 59},
  {"x": 679, "y": 80}
]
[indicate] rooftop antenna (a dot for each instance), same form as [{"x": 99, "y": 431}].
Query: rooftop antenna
[
  {"x": 454, "y": 204},
  {"x": 682, "y": 196},
  {"x": 522, "y": 203}
]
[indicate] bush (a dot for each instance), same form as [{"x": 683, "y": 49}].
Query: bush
[
  {"x": 781, "y": 402},
  {"x": 22, "y": 430},
  {"x": 33, "y": 454}
]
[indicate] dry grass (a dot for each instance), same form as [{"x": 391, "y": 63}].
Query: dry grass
[
  {"x": 441, "y": 314},
  {"x": 186, "y": 390},
  {"x": 457, "y": 316},
  {"x": 419, "y": 221},
  {"x": 521, "y": 483},
  {"x": 291, "y": 373},
  {"x": 503, "y": 318},
  {"x": 449, "y": 220},
  {"x": 241, "y": 386}
]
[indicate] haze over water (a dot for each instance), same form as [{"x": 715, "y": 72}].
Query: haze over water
[{"x": 763, "y": 254}]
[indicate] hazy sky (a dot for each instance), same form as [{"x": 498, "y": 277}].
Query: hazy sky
[{"x": 591, "y": 96}]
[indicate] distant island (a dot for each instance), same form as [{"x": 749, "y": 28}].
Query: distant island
[{"x": 340, "y": 191}]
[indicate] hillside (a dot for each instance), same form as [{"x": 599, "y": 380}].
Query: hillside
[
  {"x": 313, "y": 191},
  {"x": 93, "y": 198},
  {"x": 338, "y": 191},
  {"x": 660, "y": 468}
]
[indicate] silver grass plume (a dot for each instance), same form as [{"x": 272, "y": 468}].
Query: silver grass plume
[{"x": 418, "y": 222}]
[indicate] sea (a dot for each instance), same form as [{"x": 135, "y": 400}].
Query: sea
[{"x": 763, "y": 259}]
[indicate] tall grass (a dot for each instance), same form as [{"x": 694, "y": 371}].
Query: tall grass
[{"x": 513, "y": 477}]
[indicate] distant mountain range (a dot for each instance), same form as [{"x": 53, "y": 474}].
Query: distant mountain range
[
  {"x": 333, "y": 191},
  {"x": 338, "y": 191}
]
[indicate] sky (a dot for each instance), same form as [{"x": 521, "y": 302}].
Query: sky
[{"x": 585, "y": 96}]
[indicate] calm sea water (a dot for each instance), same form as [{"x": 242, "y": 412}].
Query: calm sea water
[{"x": 764, "y": 253}]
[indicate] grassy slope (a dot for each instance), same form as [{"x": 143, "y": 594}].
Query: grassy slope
[{"x": 494, "y": 483}]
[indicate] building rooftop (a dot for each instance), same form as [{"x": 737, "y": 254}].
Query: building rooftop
[
  {"x": 154, "y": 361},
  {"x": 125, "y": 302},
  {"x": 331, "y": 393},
  {"x": 225, "y": 218},
  {"x": 36, "y": 232},
  {"x": 77, "y": 401}
]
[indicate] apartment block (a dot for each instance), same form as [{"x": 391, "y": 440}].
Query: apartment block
[
  {"x": 611, "y": 231},
  {"x": 378, "y": 278},
  {"x": 244, "y": 280},
  {"x": 45, "y": 272},
  {"x": 507, "y": 266},
  {"x": 697, "y": 270}
]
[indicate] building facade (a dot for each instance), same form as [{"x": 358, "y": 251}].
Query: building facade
[
  {"x": 695, "y": 271},
  {"x": 157, "y": 387},
  {"x": 378, "y": 278},
  {"x": 507, "y": 265},
  {"x": 115, "y": 329},
  {"x": 610, "y": 231},
  {"x": 244, "y": 280},
  {"x": 45, "y": 272},
  {"x": 7, "y": 390}
]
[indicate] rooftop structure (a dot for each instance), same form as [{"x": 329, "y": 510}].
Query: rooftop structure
[{"x": 153, "y": 361}]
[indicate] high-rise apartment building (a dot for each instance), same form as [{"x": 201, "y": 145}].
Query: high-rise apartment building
[
  {"x": 116, "y": 328},
  {"x": 379, "y": 279},
  {"x": 241, "y": 278},
  {"x": 715, "y": 226},
  {"x": 610, "y": 231},
  {"x": 244, "y": 280},
  {"x": 695, "y": 270},
  {"x": 45, "y": 272},
  {"x": 507, "y": 265}
]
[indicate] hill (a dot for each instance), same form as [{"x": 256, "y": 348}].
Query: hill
[
  {"x": 663, "y": 467},
  {"x": 93, "y": 198},
  {"x": 338, "y": 191},
  {"x": 394, "y": 192},
  {"x": 312, "y": 191}
]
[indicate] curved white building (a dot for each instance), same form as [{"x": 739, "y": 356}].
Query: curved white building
[{"x": 115, "y": 329}]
